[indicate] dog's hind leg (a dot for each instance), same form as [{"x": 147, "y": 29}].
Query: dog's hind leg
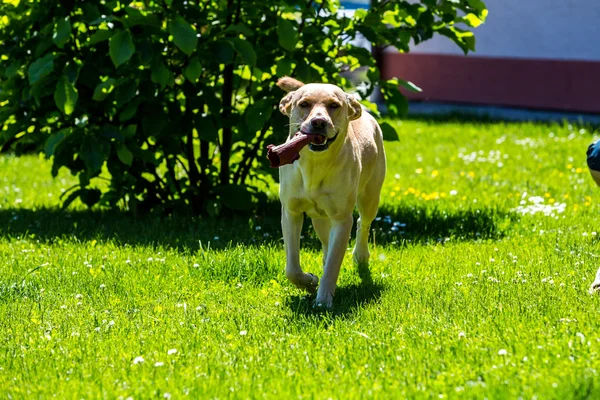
[
  {"x": 291, "y": 225},
  {"x": 322, "y": 227}
]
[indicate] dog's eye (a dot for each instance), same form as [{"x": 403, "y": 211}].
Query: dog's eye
[
  {"x": 334, "y": 105},
  {"x": 304, "y": 104}
]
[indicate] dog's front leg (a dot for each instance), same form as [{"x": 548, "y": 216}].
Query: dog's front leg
[
  {"x": 338, "y": 241},
  {"x": 291, "y": 225}
]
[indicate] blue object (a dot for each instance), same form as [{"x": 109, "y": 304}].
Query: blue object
[{"x": 593, "y": 156}]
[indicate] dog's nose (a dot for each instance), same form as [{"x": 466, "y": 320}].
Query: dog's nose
[{"x": 318, "y": 123}]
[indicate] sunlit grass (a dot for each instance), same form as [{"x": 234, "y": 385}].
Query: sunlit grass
[{"x": 484, "y": 249}]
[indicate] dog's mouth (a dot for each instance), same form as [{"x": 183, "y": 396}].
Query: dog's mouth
[{"x": 321, "y": 142}]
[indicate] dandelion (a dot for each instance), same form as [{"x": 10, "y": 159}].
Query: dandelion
[
  {"x": 138, "y": 360},
  {"x": 419, "y": 170},
  {"x": 102, "y": 286},
  {"x": 502, "y": 352},
  {"x": 462, "y": 335},
  {"x": 172, "y": 351}
]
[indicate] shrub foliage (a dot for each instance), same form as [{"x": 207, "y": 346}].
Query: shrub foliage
[{"x": 159, "y": 104}]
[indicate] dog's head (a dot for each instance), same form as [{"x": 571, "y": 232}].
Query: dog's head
[{"x": 319, "y": 109}]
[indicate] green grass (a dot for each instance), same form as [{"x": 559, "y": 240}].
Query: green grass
[{"x": 465, "y": 298}]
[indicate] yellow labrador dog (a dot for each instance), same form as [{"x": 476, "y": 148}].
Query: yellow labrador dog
[{"x": 331, "y": 177}]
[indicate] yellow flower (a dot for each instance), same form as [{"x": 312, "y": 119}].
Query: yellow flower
[
  {"x": 419, "y": 170},
  {"x": 578, "y": 170},
  {"x": 546, "y": 195},
  {"x": 435, "y": 173},
  {"x": 471, "y": 174},
  {"x": 569, "y": 166}
]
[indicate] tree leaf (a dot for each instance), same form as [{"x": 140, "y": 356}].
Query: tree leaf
[
  {"x": 184, "y": 36},
  {"x": 40, "y": 68},
  {"x": 124, "y": 154},
  {"x": 104, "y": 89},
  {"x": 121, "y": 48},
  {"x": 287, "y": 34},
  {"x": 389, "y": 132},
  {"x": 193, "y": 70},
  {"x": 65, "y": 96},
  {"x": 245, "y": 50},
  {"x": 62, "y": 32}
]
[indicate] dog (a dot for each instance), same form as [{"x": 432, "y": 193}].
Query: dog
[{"x": 331, "y": 177}]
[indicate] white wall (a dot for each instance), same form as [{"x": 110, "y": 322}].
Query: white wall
[{"x": 550, "y": 29}]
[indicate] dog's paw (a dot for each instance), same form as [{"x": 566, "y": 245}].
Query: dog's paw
[
  {"x": 361, "y": 257},
  {"x": 324, "y": 301},
  {"x": 595, "y": 288},
  {"x": 308, "y": 282}
]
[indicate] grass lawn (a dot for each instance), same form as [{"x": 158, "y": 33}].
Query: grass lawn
[{"x": 482, "y": 257}]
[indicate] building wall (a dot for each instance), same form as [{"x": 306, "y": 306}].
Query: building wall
[
  {"x": 542, "y": 54},
  {"x": 547, "y": 29}
]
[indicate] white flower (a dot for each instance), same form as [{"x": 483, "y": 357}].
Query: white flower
[
  {"x": 243, "y": 333},
  {"x": 196, "y": 265},
  {"x": 172, "y": 351},
  {"x": 462, "y": 335},
  {"x": 138, "y": 360},
  {"x": 159, "y": 364},
  {"x": 453, "y": 193},
  {"x": 102, "y": 286},
  {"x": 502, "y": 352},
  {"x": 78, "y": 296}
]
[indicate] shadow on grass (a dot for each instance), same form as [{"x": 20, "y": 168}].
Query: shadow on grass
[
  {"x": 348, "y": 299},
  {"x": 401, "y": 224}
]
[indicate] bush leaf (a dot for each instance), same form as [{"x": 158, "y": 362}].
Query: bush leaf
[
  {"x": 40, "y": 68},
  {"x": 193, "y": 71},
  {"x": 62, "y": 32},
  {"x": 121, "y": 47},
  {"x": 184, "y": 36},
  {"x": 104, "y": 89},
  {"x": 65, "y": 96},
  {"x": 245, "y": 50},
  {"x": 287, "y": 34},
  {"x": 124, "y": 154},
  {"x": 389, "y": 132}
]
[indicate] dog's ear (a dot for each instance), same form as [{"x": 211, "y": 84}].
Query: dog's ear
[
  {"x": 354, "y": 108},
  {"x": 285, "y": 105},
  {"x": 289, "y": 84}
]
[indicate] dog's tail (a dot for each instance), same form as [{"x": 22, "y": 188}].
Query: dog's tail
[{"x": 289, "y": 84}]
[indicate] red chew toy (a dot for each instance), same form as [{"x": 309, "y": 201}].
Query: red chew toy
[{"x": 289, "y": 152}]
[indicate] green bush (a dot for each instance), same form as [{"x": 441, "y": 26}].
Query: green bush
[{"x": 171, "y": 102}]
